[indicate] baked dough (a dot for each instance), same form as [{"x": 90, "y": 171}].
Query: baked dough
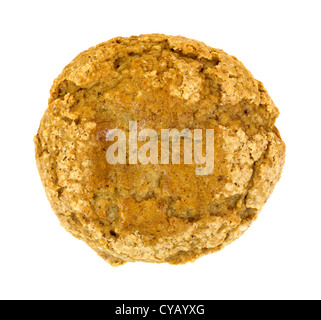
[{"x": 157, "y": 212}]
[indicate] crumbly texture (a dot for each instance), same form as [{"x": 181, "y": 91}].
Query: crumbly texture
[{"x": 157, "y": 213}]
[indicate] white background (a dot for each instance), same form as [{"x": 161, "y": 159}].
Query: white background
[{"x": 279, "y": 257}]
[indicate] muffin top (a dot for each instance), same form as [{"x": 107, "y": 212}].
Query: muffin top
[{"x": 157, "y": 212}]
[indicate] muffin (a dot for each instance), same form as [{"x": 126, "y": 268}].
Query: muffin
[{"x": 152, "y": 211}]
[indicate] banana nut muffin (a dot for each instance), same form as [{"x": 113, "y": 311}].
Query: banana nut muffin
[{"x": 157, "y": 212}]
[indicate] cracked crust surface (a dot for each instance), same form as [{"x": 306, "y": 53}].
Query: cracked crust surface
[{"x": 157, "y": 213}]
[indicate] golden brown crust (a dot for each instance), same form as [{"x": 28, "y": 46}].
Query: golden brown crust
[{"x": 157, "y": 213}]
